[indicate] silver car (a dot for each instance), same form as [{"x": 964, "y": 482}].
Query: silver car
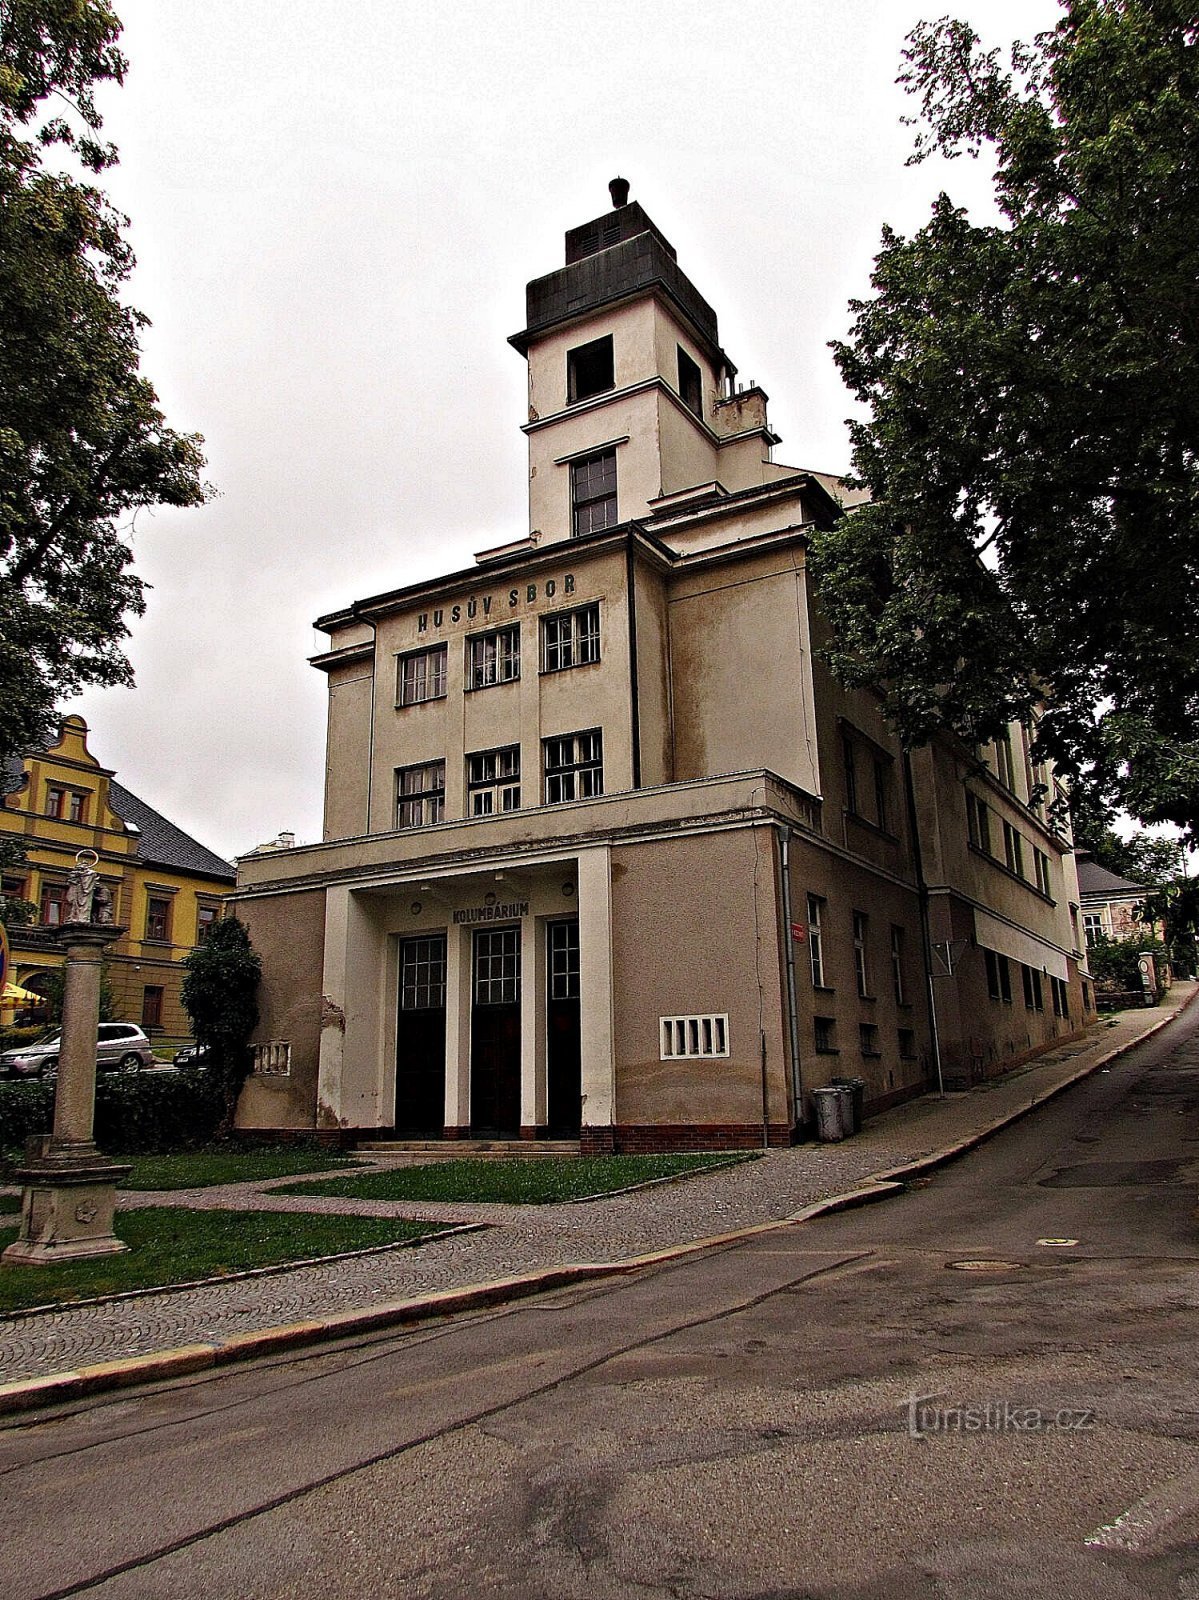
[{"x": 120, "y": 1047}]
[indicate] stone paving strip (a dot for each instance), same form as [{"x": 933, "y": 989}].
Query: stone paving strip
[{"x": 524, "y": 1240}]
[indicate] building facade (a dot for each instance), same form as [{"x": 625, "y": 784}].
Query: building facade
[
  {"x": 608, "y": 853},
  {"x": 166, "y": 888}
]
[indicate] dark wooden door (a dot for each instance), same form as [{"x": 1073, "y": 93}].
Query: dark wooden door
[
  {"x": 563, "y": 1058},
  {"x": 495, "y": 1032},
  {"x": 420, "y": 1037}
]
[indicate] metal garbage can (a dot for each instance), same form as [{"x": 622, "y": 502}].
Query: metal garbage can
[
  {"x": 857, "y": 1087},
  {"x": 834, "y": 1113}
]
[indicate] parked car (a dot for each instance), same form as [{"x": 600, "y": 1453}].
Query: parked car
[
  {"x": 192, "y": 1055},
  {"x": 120, "y": 1047}
]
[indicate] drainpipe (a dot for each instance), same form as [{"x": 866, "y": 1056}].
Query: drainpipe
[
  {"x": 634, "y": 688},
  {"x": 784, "y": 834},
  {"x": 370, "y": 744},
  {"x": 926, "y": 937}
]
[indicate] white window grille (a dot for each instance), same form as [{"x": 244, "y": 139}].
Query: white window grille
[
  {"x": 273, "y": 1059},
  {"x": 694, "y": 1037}
]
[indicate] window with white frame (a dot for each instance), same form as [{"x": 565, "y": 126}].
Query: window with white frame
[
  {"x": 420, "y": 676},
  {"x": 420, "y": 795},
  {"x": 1040, "y": 863},
  {"x": 898, "y": 964},
  {"x": 570, "y": 639},
  {"x": 493, "y": 657},
  {"x": 694, "y": 1037},
  {"x": 574, "y": 766},
  {"x": 1092, "y": 924},
  {"x": 861, "y": 936},
  {"x": 493, "y": 781},
  {"x": 816, "y": 940}
]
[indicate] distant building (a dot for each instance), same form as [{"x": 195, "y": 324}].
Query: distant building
[
  {"x": 1110, "y": 904},
  {"x": 608, "y": 852},
  {"x": 166, "y": 888}
]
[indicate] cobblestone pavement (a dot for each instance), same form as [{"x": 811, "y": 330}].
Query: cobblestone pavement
[{"x": 528, "y": 1238}]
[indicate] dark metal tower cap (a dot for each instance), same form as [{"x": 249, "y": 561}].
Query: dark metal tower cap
[{"x": 619, "y": 190}]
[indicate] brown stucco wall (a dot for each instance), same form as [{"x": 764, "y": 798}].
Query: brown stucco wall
[{"x": 288, "y": 932}]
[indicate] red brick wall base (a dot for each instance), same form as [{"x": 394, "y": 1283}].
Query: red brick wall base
[{"x": 627, "y": 1138}]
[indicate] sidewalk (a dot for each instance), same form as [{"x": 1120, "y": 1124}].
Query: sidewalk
[{"x": 523, "y": 1248}]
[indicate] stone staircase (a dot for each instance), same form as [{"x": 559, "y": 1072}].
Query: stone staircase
[{"x": 476, "y": 1149}]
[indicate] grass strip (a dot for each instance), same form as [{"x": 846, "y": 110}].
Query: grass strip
[
  {"x": 202, "y": 1169},
  {"x": 169, "y": 1244},
  {"x": 522, "y": 1181}
]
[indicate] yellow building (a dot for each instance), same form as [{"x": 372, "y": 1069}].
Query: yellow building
[{"x": 166, "y": 888}]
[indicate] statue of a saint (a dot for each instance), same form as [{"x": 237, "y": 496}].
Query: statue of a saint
[
  {"x": 102, "y": 905},
  {"x": 81, "y": 891}
]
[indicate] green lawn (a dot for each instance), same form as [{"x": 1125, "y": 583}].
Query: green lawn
[
  {"x": 169, "y": 1244},
  {"x": 199, "y": 1169},
  {"x": 527, "y": 1181}
]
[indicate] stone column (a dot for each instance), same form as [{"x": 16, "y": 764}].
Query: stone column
[{"x": 69, "y": 1187}]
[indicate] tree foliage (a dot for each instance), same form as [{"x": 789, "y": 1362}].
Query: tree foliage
[
  {"x": 220, "y": 991},
  {"x": 1033, "y": 395},
  {"x": 83, "y": 443}
]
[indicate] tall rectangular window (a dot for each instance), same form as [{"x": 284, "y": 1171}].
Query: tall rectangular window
[
  {"x": 420, "y": 795},
  {"x": 1092, "y": 924},
  {"x": 56, "y": 801},
  {"x": 690, "y": 384},
  {"x": 574, "y": 766},
  {"x": 978, "y": 822},
  {"x": 493, "y": 657},
  {"x": 158, "y": 919},
  {"x": 999, "y": 977},
  {"x": 421, "y": 676},
  {"x": 207, "y": 918},
  {"x": 849, "y": 761},
  {"x": 570, "y": 639},
  {"x": 1013, "y": 850},
  {"x": 882, "y": 784},
  {"x": 1033, "y": 1000},
  {"x": 52, "y": 905},
  {"x": 1041, "y": 866},
  {"x": 1005, "y": 766},
  {"x": 898, "y": 964},
  {"x": 77, "y": 806},
  {"x": 861, "y": 955},
  {"x": 590, "y": 369},
  {"x": 816, "y": 940},
  {"x": 493, "y": 781},
  {"x": 562, "y": 959},
  {"x": 593, "y": 493}
]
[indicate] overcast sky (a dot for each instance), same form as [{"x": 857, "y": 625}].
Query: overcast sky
[{"x": 335, "y": 210}]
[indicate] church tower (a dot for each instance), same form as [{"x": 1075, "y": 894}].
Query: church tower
[{"x": 633, "y": 404}]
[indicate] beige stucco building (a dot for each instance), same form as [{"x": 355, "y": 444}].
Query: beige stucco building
[{"x": 608, "y": 853}]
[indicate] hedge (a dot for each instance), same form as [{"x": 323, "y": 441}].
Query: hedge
[{"x": 141, "y": 1113}]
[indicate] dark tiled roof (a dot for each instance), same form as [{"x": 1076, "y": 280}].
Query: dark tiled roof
[
  {"x": 1094, "y": 879},
  {"x": 162, "y": 843}
]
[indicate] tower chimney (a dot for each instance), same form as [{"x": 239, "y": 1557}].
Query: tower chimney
[{"x": 619, "y": 190}]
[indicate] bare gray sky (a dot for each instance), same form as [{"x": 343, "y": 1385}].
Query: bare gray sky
[{"x": 336, "y": 209}]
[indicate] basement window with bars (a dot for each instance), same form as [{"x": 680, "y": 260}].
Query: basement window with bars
[{"x": 695, "y": 1037}]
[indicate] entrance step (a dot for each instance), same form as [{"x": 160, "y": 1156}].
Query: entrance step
[{"x": 480, "y": 1149}]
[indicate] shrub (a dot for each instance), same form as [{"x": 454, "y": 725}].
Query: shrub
[
  {"x": 1113, "y": 962},
  {"x": 14, "y": 1038},
  {"x": 220, "y": 992},
  {"x": 146, "y": 1113}
]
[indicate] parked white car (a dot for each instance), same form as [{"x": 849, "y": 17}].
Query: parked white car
[{"x": 120, "y": 1047}]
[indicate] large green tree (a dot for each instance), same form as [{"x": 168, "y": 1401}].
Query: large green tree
[
  {"x": 83, "y": 443},
  {"x": 220, "y": 994},
  {"x": 1032, "y": 385}
]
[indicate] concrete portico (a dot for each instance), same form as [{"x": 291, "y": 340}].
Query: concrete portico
[{"x": 366, "y": 928}]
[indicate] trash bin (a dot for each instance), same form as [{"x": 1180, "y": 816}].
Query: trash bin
[
  {"x": 834, "y": 1113},
  {"x": 857, "y": 1086}
]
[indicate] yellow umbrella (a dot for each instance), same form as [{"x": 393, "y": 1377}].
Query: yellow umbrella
[{"x": 13, "y": 992}]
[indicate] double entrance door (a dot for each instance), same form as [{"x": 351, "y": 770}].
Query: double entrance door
[{"x": 495, "y": 1032}]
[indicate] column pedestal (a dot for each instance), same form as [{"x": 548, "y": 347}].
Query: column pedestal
[{"x": 70, "y": 1188}]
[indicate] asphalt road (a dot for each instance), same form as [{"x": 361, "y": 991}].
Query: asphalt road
[{"x": 985, "y": 1387}]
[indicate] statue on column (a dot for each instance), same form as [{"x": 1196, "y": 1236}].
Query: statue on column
[{"x": 81, "y": 887}]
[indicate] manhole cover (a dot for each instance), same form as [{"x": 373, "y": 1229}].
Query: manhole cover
[
  {"x": 986, "y": 1266},
  {"x": 1058, "y": 1244}
]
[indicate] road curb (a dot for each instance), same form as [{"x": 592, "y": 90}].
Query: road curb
[{"x": 30, "y": 1393}]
